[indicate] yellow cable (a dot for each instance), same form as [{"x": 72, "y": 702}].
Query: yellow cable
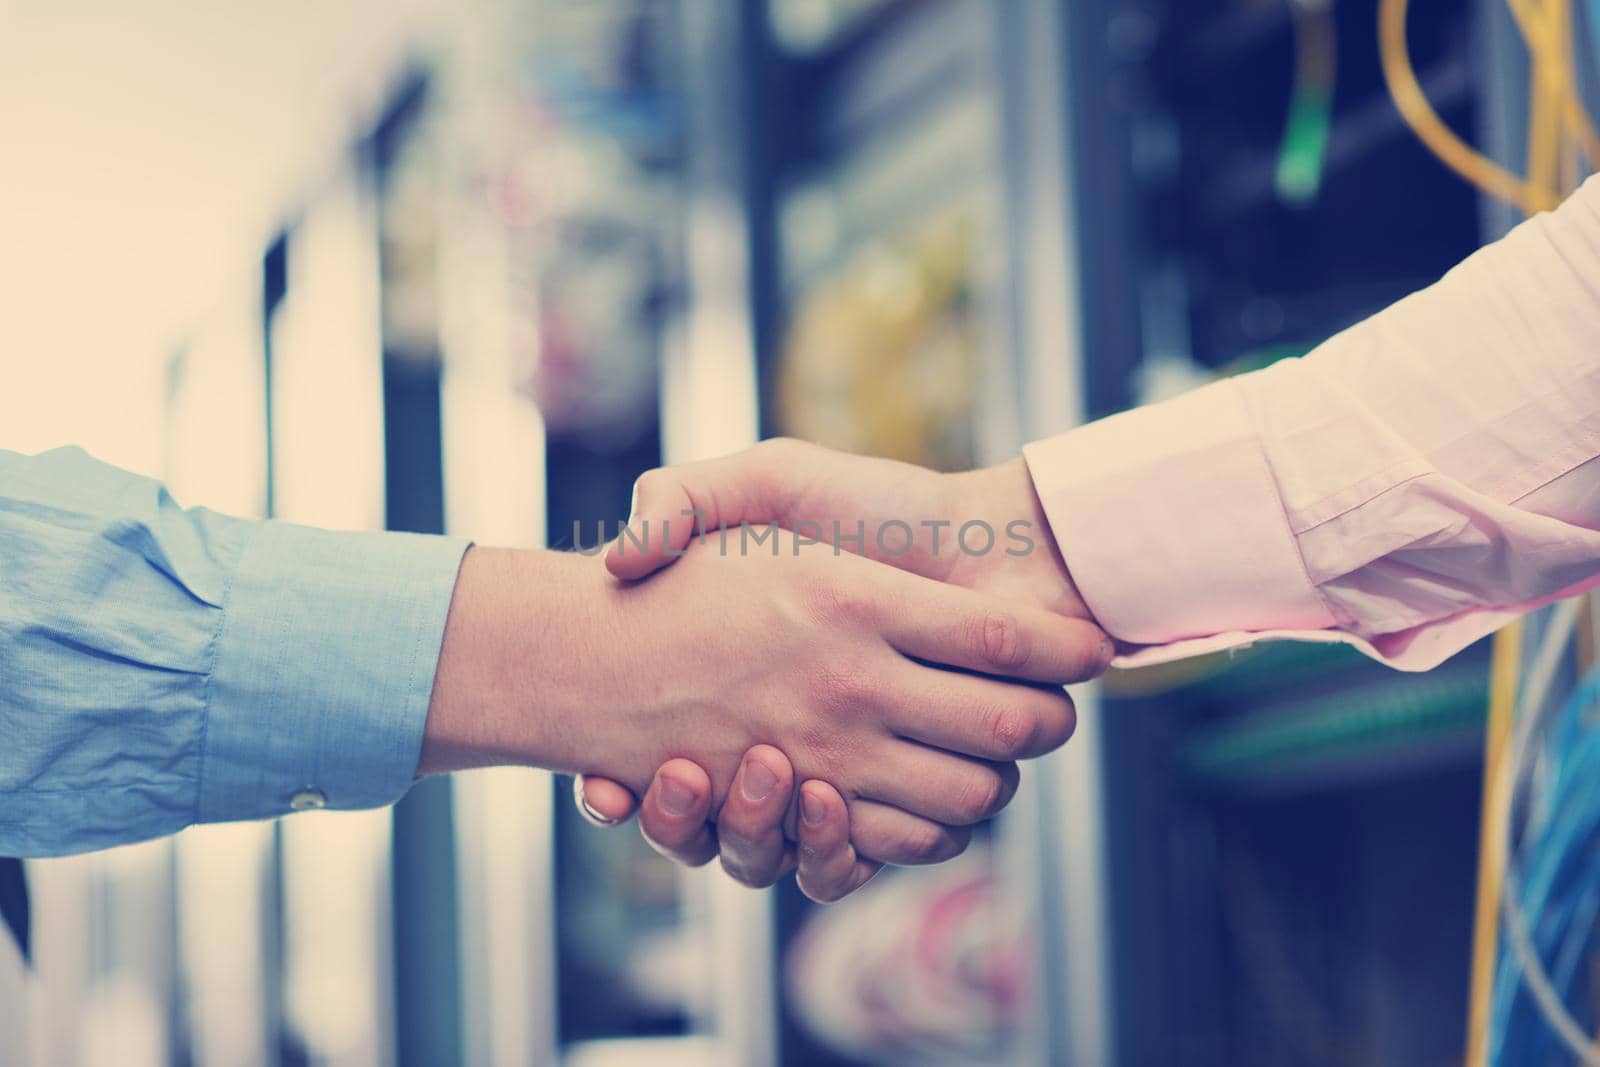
[
  {"x": 1544, "y": 111},
  {"x": 1550, "y": 91},
  {"x": 1540, "y": 29},
  {"x": 1414, "y": 107},
  {"x": 1578, "y": 125},
  {"x": 1504, "y": 663},
  {"x": 1522, "y": 11},
  {"x": 1553, "y": 47},
  {"x": 1558, "y": 127},
  {"x": 1575, "y": 114}
]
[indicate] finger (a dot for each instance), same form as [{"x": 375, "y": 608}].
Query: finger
[
  {"x": 937, "y": 785},
  {"x": 671, "y": 504},
  {"x": 750, "y": 835},
  {"x": 602, "y": 801},
  {"x": 829, "y": 867},
  {"x": 980, "y": 716},
  {"x": 956, "y": 627},
  {"x": 673, "y": 814},
  {"x": 891, "y": 835}
]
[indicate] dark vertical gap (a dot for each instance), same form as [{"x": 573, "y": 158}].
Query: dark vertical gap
[
  {"x": 765, "y": 114},
  {"x": 274, "y": 287},
  {"x": 427, "y": 965},
  {"x": 413, "y": 444},
  {"x": 1097, "y": 121},
  {"x": 426, "y": 959},
  {"x": 14, "y": 905},
  {"x": 179, "y": 1021}
]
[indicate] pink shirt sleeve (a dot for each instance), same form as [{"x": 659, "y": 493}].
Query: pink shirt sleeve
[{"x": 1411, "y": 485}]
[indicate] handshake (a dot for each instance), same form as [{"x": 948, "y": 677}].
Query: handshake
[{"x": 888, "y": 639}]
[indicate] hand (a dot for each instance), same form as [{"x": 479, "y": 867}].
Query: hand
[
  {"x": 749, "y": 835},
  {"x": 835, "y": 660},
  {"x": 790, "y": 482}
]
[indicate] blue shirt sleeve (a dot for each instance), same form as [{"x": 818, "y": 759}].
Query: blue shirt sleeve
[{"x": 161, "y": 666}]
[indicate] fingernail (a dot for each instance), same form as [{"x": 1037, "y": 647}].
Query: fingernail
[
  {"x": 758, "y": 781},
  {"x": 676, "y": 798},
  {"x": 812, "y": 810},
  {"x": 583, "y": 805},
  {"x": 1107, "y": 650}
]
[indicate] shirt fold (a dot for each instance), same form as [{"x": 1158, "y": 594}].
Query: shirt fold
[
  {"x": 161, "y": 666},
  {"x": 324, "y": 670},
  {"x": 1411, "y": 485}
]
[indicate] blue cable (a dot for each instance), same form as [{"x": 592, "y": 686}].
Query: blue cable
[{"x": 1560, "y": 886}]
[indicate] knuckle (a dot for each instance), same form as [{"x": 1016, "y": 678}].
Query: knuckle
[
  {"x": 776, "y": 461},
  {"x": 980, "y": 794},
  {"x": 845, "y": 687},
  {"x": 1001, "y": 641},
  {"x": 835, "y": 605},
  {"x": 1013, "y": 732},
  {"x": 926, "y": 842},
  {"x": 827, "y": 746}
]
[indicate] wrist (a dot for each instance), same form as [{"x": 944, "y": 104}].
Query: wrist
[
  {"x": 522, "y": 660},
  {"x": 1004, "y": 494}
]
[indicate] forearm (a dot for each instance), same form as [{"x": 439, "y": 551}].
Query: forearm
[
  {"x": 162, "y": 666},
  {"x": 546, "y": 663},
  {"x": 1412, "y": 484},
  {"x": 522, "y": 662}
]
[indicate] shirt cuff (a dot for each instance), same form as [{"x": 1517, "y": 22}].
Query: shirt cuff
[
  {"x": 323, "y": 670},
  {"x": 1171, "y": 524}
]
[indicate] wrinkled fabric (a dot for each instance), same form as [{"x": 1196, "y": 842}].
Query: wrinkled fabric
[
  {"x": 1411, "y": 485},
  {"x": 161, "y": 666}
]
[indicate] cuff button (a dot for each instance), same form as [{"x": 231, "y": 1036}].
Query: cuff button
[{"x": 308, "y": 799}]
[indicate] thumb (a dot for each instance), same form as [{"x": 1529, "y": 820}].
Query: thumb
[
  {"x": 661, "y": 523},
  {"x": 671, "y": 505},
  {"x": 602, "y": 801}
]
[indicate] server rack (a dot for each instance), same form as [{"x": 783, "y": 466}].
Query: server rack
[
  {"x": 989, "y": 80},
  {"x": 1162, "y": 209},
  {"x": 1292, "y": 832}
]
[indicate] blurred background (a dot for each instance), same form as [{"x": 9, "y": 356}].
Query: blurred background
[{"x": 472, "y": 266}]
